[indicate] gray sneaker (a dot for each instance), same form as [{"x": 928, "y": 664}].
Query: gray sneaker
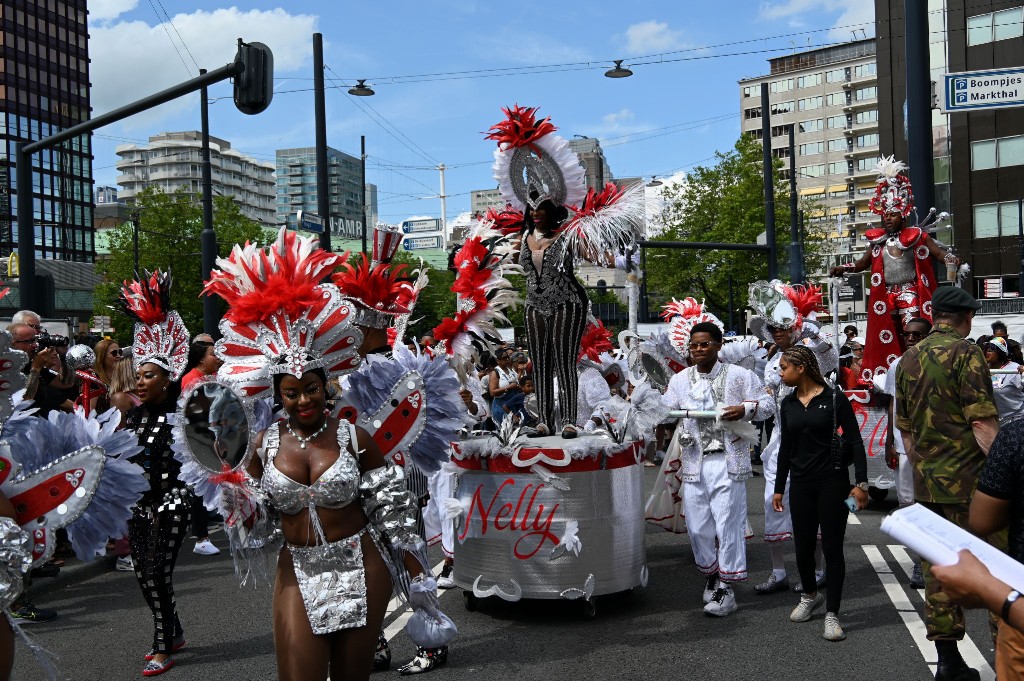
[
  {"x": 833, "y": 630},
  {"x": 808, "y": 604},
  {"x": 772, "y": 585}
]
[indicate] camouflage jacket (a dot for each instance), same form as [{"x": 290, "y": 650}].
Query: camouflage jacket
[{"x": 942, "y": 384}]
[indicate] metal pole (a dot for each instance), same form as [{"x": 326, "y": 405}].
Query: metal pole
[
  {"x": 29, "y": 292},
  {"x": 644, "y": 311},
  {"x": 919, "y": 103},
  {"x": 444, "y": 212},
  {"x": 769, "y": 183},
  {"x": 732, "y": 320},
  {"x": 323, "y": 199},
  {"x": 135, "y": 242},
  {"x": 1020, "y": 245},
  {"x": 208, "y": 239},
  {"x": 362, "y": 181},
  {"x": 796, "y": 270}
]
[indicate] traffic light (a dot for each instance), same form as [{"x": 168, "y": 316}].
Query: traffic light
[{"x": 254, "y": 86}]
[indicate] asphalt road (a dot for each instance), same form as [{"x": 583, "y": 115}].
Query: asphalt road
[{"x": 659, "y": 632}]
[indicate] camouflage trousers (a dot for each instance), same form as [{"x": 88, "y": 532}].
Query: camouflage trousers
[{"x": 943, "y": 618}]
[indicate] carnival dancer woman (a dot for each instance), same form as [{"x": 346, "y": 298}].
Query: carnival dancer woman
[
  {"x": 1008, "y": 389},
  {"x": 539, "y": 175},
  {"x": 160, "y": 521},
  {"x": 345, "y": 514},
  {"x": 819, "y": 480}
]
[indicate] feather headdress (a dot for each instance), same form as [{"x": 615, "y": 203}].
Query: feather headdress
[
  {"x": 893, "y": 194},
  {"x": 308, "y": 327},
  {"x": 682, "y": 316},
  {"x": 380, "y": 292},
  {"x": 596, "y": 340},
  {"x": 160, "y": 335},
  {"x": 779, "y": 305},
  {"x": 508, "y": 221},
  {"x": 609, "y": 220},
  {"x": 484, "y": 292},
  {"x": 533, "y": 165}
]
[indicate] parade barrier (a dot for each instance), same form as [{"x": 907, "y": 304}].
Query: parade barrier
[{"x": 548, "y": 518}]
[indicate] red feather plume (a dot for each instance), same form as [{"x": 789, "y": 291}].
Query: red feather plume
[
  {"x": 258, "y": 283},
  {"x": 147, "y": 301},
  {"x": 806, "y": 299},
  {"x": 687, "y": 308},
  {"x": 596, "y": 339},
  {"x": 507, "y": 221},
  {"x": 520, "y": 128},
  {"x": 380, "y": 288}
]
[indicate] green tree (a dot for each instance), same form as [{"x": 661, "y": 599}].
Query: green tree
[
  {"x": 722, "y": 203},
  {"x": 169, "y": 238}
]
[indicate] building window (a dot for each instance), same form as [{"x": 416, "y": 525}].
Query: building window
[
  {"x": 835, "y": 76},
  {"x": 838, "y": 168},
  {"x": 812, "y": 148},
  {"x": 995, "y": 219},
  {"x": 784, "y": 85},
  {"x": 990, "y": 27},
  {"x": 809, "y": 81},
  {"x": 865, "y": 70},
  {"x": 751, "y": 91},
  {"x": 813, "y": 125},
  {"x": 866, "y": 117},
  {"x": 809, "y": 103},
  {"x": 866, "y": 93},
  {"x": 813, "y": 170},
  {"x": 836, "y": 122},
  {"x": 782, "y": 108},
  {"x": 753, "y": 112},
  {"x": 835, "y": 99},
  {"x": 867, "y": 140},
  {"x": 997, "y": 153},
  {"x": 838, "y": 145}
]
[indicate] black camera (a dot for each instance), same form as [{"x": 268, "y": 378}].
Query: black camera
[{"x": 45, "y": 340}]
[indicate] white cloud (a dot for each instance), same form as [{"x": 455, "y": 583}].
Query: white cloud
[
  {"x": 103, "y": 10},
  {"x": 853, "y": 15},
  {"x": 652, "y": 36},
  {"x": 615, "y": 120},
  {"x": 529, "y": 49},
  {"x": 128, "y": 53}
]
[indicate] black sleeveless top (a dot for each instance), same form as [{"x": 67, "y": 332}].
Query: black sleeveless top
[{"x": 556, "y": 284}]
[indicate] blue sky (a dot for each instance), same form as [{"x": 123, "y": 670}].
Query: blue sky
[{"x": 679, "y": 107}]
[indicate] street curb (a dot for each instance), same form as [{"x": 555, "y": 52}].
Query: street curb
[{"x": 73, "y": 572}]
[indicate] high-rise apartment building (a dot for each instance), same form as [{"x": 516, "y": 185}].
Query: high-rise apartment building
[
  {"x": 591, "y": 156},
  {"x": 978, "y": 156},
  {"x": 174, "y": 160},
  {"x": 44, "y": 88},
  {"x": 830, "y": 96},
  {"x": 297, "y": 190}
]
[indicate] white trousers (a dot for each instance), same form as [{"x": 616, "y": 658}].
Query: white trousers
[
  {"x": 777, "y": 526},
  {"x": 716, "y": 508},
  {"x": 436, "y": 527},
  {"x": 905, "y": 481}
]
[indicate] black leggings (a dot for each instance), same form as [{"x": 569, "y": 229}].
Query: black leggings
[
  {"x": 156, "y": 537},
  {"x": 554, "y": 341},
  {"x": 821, "y": 503}
]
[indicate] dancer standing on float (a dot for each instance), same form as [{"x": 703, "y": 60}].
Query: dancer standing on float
[
  {"x": 785, "y": 315},
  {"x": 714, "y": 456},
  {"x": 539, "y": 175},
  {"x": 900, "y": 259}
]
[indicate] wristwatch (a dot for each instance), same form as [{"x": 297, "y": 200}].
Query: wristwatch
[
  {"x": 862, "y": 486},
  {"x": 1011, "y": 598}
]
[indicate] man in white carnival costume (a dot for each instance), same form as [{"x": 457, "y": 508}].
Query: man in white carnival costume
[
  {"x": 785, "y": 315},
  {"x": 715, "y": 459}
]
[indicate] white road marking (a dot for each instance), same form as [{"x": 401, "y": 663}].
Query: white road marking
[
  {"x": 915, "y": 625},
  {"x": 397, "y": 605},
  {"x": 852, "y": 519}
]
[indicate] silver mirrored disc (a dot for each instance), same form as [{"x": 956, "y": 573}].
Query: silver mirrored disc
[{"x": 216, "y": 425}]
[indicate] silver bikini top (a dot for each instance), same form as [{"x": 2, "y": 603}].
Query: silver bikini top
[{"x": 336, "y": 488}]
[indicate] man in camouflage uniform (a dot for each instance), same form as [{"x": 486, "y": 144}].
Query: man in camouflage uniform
[{"x": 944, "y": 407}]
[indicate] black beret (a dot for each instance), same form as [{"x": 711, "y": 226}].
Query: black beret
[{"x": 953, "y": 299}]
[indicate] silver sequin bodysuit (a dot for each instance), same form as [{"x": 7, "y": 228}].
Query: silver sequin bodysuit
[
  {"x": 898, "y": 270},
  {"x": 336, "y": 488},
  {"x": 554, "y": 283}
]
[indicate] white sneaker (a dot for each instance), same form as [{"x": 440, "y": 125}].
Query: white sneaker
[
  {"x": 722, "y": 603},
  {"x": 808, "y": 604},
  {"x": 711, "y": 584},
  {"x": 833, "y": 630},
  {"x": 124, "y": 564},
  {"x": 205, "y": 548},
  {"x": 445, "y": 579}
]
